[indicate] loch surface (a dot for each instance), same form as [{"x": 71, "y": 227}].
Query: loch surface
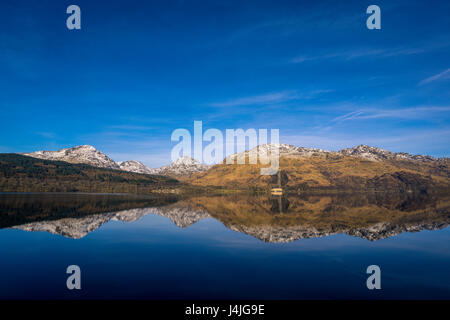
[{"x": 228, "y": 247}]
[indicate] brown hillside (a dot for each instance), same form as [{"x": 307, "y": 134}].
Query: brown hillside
[{"x": 325, "y": 171}]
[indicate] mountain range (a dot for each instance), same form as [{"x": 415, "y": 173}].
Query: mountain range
[
  {"x": 361, "y": 167},
  {"x": 87, "y": 154},
  {"x": 351, "y": 168},
  {"x": 186, "y": 165}
]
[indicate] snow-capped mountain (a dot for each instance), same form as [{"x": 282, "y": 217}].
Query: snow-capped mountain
[
  {"x": 89, "y": 155},
  {"x": 369, "y": 153},
  {"x": 81, "y": 154},
  {"x": 186, "y": 165},
  {"x": 361, "y": 151},
  {"x": 285, "y": 150},
  {"x": 136, "y": 166},
  {"x": 183, "y": 166},
  {"x": 377, "y": 154}
]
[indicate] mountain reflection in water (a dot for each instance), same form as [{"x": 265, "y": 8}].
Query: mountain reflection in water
[{"x": 269, "y": 218}]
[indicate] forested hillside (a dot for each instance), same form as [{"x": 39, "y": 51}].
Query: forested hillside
[{"x": 20, "y": 173}]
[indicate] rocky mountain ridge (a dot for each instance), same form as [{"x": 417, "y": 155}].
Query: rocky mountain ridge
[
  {"x": 183, "y": 166},
  {"x": 361, "y": 151},
  {"x": 136, "y": 166},
  {"x": 87, "y": 154},
  {"x": 80, "y": 154}
]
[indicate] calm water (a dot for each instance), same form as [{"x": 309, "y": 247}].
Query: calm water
[{"x": 303, "y": 247}]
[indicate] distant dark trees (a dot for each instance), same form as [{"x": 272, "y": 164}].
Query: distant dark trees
[{"x": 26, "y": 174}]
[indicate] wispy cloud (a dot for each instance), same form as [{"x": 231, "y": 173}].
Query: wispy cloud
[
  {"x": 360, "y": 53},
  {"x": 270, "y": 98},
  {"x": 440, "y": 76},
  {"x": 402, "y": 113}
]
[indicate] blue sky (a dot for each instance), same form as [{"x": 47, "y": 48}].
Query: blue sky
[{"x": 137, "y": 71}]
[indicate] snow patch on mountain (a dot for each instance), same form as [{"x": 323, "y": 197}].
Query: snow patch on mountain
[
  {"x": 285, "y": 150},
  {"x": 89, "y": 155},
  {"x": 183, "y": 166},
  {"x": 377, "y": 154},
  {"x": 81, "y": 154},
  {"x": 361, "y": 151},
  {"x": 136, "y": 166},
  {"x": 369, "y": 153}
]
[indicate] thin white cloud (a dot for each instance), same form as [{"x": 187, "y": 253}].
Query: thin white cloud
[
  {"x": 440, "y": 76},
  {"x": 359, "y": 53},
  {"x": 403, "y": 113},
  {"x": 270, "y": 98}
]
